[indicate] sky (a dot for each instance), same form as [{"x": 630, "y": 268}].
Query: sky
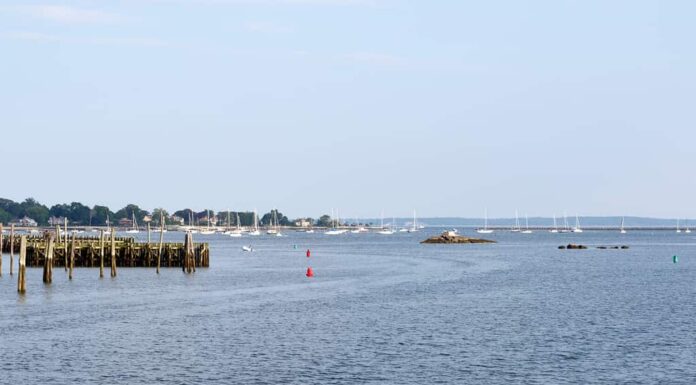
[{"x": 446, "y": 107}]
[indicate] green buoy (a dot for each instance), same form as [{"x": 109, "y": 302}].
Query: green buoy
[{"x": 675, "y": 259}]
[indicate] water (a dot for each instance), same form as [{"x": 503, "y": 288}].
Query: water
[{"x": 381, "y": 309}]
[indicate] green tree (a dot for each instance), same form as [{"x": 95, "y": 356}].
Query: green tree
[
  {"x": 156, "y": 216},
  {"x": 11, "y": 207},
  {"x": 186, "y": 214},
  {"x": 282, "y": 219},
  {"x": 34, "y": 210},
  {"x": 325, "y": 221},
  {"x": 5, "y": 217},
  {"x": 129, "y": 210},
  {"x": 79, "y": 213},
  {"x": 100, "y": 215}
]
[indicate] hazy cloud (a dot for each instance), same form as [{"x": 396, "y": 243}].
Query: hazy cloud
[
  {"x": 66, "y": 14},
  {"x": 266, "y": 27},
  {"x": 48, "y": 38},
  {"x": 375, "y": 58}
]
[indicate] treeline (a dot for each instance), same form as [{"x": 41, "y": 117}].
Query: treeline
[{"x": 79, "y": 214}]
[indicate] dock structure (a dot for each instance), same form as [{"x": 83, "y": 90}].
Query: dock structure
[{"x": 122, "y": 252}]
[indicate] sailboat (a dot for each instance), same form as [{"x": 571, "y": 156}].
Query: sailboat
[
  {"x": 208, "y": 230},
  {"x": 236, "y": 233},
  {"x": 555, "y": 225},
  {"x": 335, "y": 222},
  {"x": 134, "y": 229},
  {"x": 622, "y": 230},
  {"x": 526, "y": 223},
  {"x": 255, "y": 224},
  {"x": 516, "y": 228},
  {"x": 383, "y": 230},
  {"x": 274, "y": 229},
  {"x": 359, "y": 229},
  {"x": 566, "y": 228},
  {"x": 688, "y": 230},
  {"x": 577, "y": 228},
  {"x": 192, "y": 224},
  {"x": 678, "y": 229},
  {"x": 228, "y": 224},
  {"x": 414, "y": 224},
  {"x": 108, "y": 224},
  {"x": 485, "y": 229}
]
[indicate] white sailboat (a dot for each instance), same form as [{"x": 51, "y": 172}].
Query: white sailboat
[
  {"x": 485, "y": 229},
  {"x": 208, "y": 230},
  {"x": 688, "y": 230},
  {"x": 255, "y": 226},
  {"x": 359, "y": 229},
  {"x": 526, "y": 223},
  {"x": 678, "y": 229},
  {"x": 335, "y": 223},
  {"x": 555, "y": 225},
  {"x": 516, "y": 228},
  {"x": 414, "y": 224},
  {"x": 274, "y": 228},
  {"x": 622, "y": 230},
  {"x": 236, "y": 233},
  {"x": 134, "y": 229},
  {"x": 577, "y": 228},
  {"x": 566, "y": 227},
  {"x": 383, "y": 230}
]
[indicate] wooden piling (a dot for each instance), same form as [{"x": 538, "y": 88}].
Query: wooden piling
[
  {"x": 72, "y": 257},
  {"x": 21, "y": 281},
  {"x": 0, "y": 249},
  {"x": 161, "y": 241},
  {"x": 65, "y": 245},
  {"x": 12, "y": 240},
  {"x": 113, "y": 253},
  {"x": 189, "y": 265},
  {"x": 101, "y": 253},
  {"x": 48, "y": 262}
]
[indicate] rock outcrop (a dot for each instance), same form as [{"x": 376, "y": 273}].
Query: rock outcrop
[{"x": 447, "y": 237}]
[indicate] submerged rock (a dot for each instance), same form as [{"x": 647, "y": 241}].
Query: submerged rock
[
  {"x": 572, "y": 246},
  {"x": 449, "y": 237}
]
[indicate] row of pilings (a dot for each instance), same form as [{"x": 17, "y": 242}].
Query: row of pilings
[{"x": 127, "y": 252}]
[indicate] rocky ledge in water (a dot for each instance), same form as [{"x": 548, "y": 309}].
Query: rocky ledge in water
[
  {"x": 582, "y": 247},
  {"x": 451, "y": 237}
]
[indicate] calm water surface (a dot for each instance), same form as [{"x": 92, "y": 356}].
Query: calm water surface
[{"x": 381, "y": 309}]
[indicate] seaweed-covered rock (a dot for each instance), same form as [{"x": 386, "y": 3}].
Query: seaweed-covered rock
[
  {"x": 448, "y": 238},
  {"x": 572, "y": 246}
]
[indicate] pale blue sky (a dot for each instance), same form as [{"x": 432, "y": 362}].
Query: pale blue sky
[{"x": 442, "y": 106}]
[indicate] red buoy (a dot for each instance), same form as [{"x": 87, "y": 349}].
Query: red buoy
[
  {"x": 310, "y": 272},
  {"x": 308, "y": 253}
]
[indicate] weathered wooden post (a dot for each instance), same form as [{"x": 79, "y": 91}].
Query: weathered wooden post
[
  {"x": 148, "y": 233},
  {"x": 161, "y": 241},
  {"x": 184, "y": 261},
  {"x": 113, "y": 253},
  {"x": 72, "y": 257},
  {"x": 101, "y": 253},
  {"x": 65, "y": 245},
  {"x": 189, "y": 259},
  {"x": 48, "y": 262},
  {"x": 1, "y": 244},
  {"x": 12, "y": 239},
  {"x": 22, "y": 281}
]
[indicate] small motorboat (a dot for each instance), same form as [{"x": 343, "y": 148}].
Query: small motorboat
[{"x": 247, "y": 248}]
